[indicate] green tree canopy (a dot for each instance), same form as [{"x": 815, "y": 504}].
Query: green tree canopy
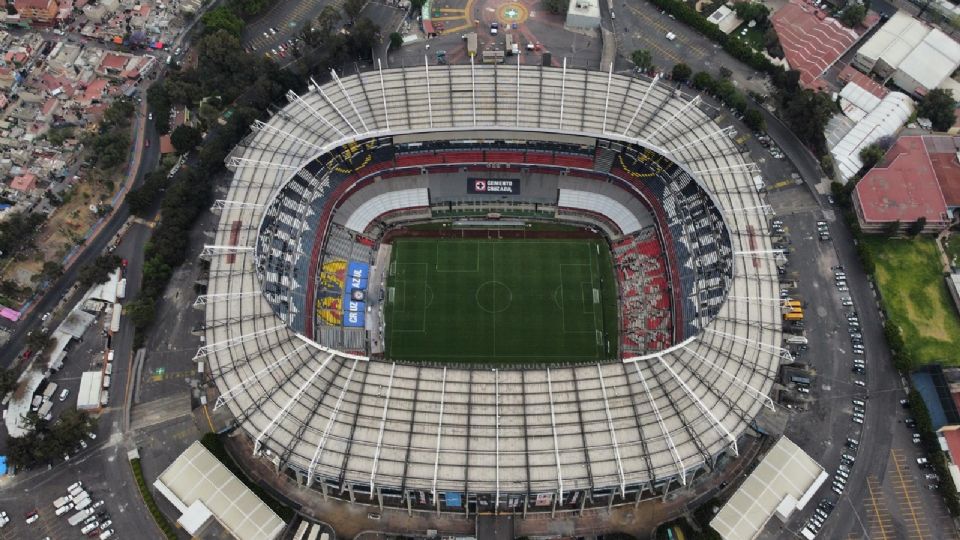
[
  {"x": 807, "y": 113},
  {"x": 938, "y": 106},
  {"x": 854, "y": 14},
  {"x": 643, "y": 59},
  {"x": 222, "y": 18},
  {"x": 185, "y": 138},
  {"x": 681, "y": 72},
  {"x": 870, "y": 155},
  {"x": 98, "y": 271},
  {"x": 751, "y": 11}
]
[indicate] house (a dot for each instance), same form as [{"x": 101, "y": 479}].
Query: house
[
  {"x": 24, "y": 183},
  {"x": 37, "y": 11}
]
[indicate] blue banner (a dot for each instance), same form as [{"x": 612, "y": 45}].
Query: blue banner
[
  {"x": 453, "y": 500},
  {"x": 358, "y": 270},
  {"x": 350, "y": 305},
  {"x": 353, "y": 319}
]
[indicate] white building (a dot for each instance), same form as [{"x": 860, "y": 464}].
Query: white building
[
  {"x": 917, "y": 57},
  {"x": 583, "y": 14},
  {"x": 883, "y": 120}
]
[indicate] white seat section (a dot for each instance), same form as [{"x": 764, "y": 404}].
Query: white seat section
[
  {"x": 603, "y": 205},
  {"x": 386, "y": 202}
]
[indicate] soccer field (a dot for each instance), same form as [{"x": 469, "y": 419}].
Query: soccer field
[{"x": 501, "y": 301}]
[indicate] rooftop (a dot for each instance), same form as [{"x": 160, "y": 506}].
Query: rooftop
[
  {"x": 811, "y": 40},
  {"x": 885, "y": 195}
]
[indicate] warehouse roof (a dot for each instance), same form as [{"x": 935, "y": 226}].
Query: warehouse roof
[
  {"x": 786, "y": 473},
  {"x": 198, "y": 476},
  {"x": 932, "y": 60},
  {"x": 893, "y": 41},
  {"x": 884, "y": 120}
]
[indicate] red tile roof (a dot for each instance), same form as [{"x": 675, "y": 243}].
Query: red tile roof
[
  {"x": 943, "y": 156},
  {"x": 902, "y": 187},
  {"x": 811, "y": 40},
  {"x": 849, "y": 74},
  {"x": 24, "y": 182},
  {"x": 113, "y": 61},
  {"x": 952, "y": 436}
]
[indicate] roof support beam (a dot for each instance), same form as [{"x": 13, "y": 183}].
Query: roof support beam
[
  {"x": 764, "y": 399},
  {"x": 205, "y": 299},
  {"x": 294, "y": 97},
  {"x": 436, "y": 461},
  {"x": 750, "y": 167},
  {"x": 640, "y": 105},
  {"x": 681, "y": 470},
  {"x": 720, "y": 132},
  {"x": 426, "y": 68},
  {"x": 259, "y": 125},
  {"x": 563, "y": 90},
  {"x": 556, "y": 441},
  {"x": 473, "y": 90},
  {"x": 673, "y": 118},
  {"x": 517, "y": 119},
  {"x": 496, "y": 391},
  {"x": 613, "y": 432},
  {"x": 242, "y": 163},
  {"x": 353, "y": 106},
  {"x": 223, "y": 204},
  {"x": 206, "y": 350},
  {"x": 326, "y": 432},
  {"x": 234, "y": 390},
  {"x": 383, "y": 94},
  {"x": 721, "y": 429},
  {"x": 336, "y": 109},
  {"x": 763, "y": 347},
  {"x": 606, "y": 102},
  {"x": 383, "y": 424},
  {"x": 283, "y": 411}
]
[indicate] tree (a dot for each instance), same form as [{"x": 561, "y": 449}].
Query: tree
[
  {"x": 99, "y": 270},
  {"x": 807, "y": 113},
  {"x": 703, "y": 81},
  {"x": 938, "y": 106},
  {"x": 185, "y": 138},
  {"x": 891, "y": 228},
  {"x": 396, "y": 40},
  {"x": 917, "y": 226},
  {"x": 51, "y": 270},
  {"x": 141, "y": 312},
  {"x": 754, "y": 120},
  {"x": 870, "y": 155},
  {"x": 750, "y": 11},
  {"x": 222, "y": 18},
  {"x": 681, "y": 72},
  {"x": 725, "y": 72},
  {"x": 556, "y": 6},
  {"x": 643, "y": 59},
  {"x": 853, "y": 16},
  {"x": 352, "y": 8},
  {"x": 8, "y": 381}
]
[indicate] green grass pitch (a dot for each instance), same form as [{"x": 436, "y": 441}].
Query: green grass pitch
[{"x": 501, "y": 301}]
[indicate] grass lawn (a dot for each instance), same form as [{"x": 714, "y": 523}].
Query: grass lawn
[
  {"x": 500, "y": 301},
  {"x": 916, "y": 297}
]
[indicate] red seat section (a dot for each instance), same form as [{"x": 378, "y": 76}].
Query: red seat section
[{"x": 645, "y": 290}]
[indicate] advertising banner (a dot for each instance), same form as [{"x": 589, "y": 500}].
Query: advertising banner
[
  {"x": 358, "y": 270},
  {"x": 353, "y": 319},
  {"x": 493, "y": 186}
]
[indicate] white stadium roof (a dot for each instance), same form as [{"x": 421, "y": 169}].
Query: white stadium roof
[
  {"x": 324, "y": 414},
  {"x": 884, "y": 120}
]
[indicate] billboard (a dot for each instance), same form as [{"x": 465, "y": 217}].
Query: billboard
[
  {"x": 358, "y": 270},
  {"x": 353, "y": 319},
  {"x": 493, "y": 186}
]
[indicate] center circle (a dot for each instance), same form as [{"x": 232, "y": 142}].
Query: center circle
[
  {"x": 493, "y": 296},
  {"x": 513, "y": 13}
]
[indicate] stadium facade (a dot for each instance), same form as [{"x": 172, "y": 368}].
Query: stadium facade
[{"x": 317, "y": 186}]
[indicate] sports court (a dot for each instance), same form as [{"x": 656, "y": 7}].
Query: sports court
[{"x": 500, "y": 301}]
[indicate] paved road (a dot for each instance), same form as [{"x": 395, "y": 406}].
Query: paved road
[{"x": 145, "y": 160}]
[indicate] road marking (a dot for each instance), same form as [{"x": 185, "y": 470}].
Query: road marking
[
  {"x": 873, "y": 487},
  {"x": 898, "y": 457}
]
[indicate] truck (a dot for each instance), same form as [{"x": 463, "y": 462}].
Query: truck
[
  {"x": 115, "y": 318},
  {"x": 793, "y": 316},
  {"x": 49, "y": 391},
  {"x": 83, "y": 503},
  {"x": 45, "y": 410},
  {"x": 75, "y": 519},
  {"x": 509, "y": 45},
  {"x": 57, "y": 503},
  {"x": 122, "y": 288},
  {"x": 797, "y": 340},
  {"x": 471, "y": 44}
]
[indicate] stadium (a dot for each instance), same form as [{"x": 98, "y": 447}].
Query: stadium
[{"x": 492, "y": 288}]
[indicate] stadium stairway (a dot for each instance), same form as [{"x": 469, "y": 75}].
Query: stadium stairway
[{"x": 604, "y": 160}]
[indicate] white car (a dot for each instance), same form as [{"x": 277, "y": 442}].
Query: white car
[
  {"x": 88, "y": 527},
  {"x": 33, "y": 519},
  {"x": 857, "y": 420},
  {"x": 858, "y": 382},
  {"x": 150, "y": 116},
  {"x": 64, "y": 509},
  {"x": 64, "y": 393},
  {"x": 671, "y": 36}
]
